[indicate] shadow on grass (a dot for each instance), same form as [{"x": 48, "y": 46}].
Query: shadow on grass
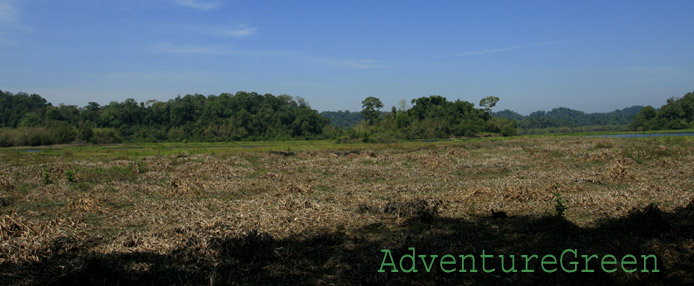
[{"x": 354, "y": 258}]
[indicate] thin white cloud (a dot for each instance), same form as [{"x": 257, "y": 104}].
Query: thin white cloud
[
  {"x": 651, "y": 69},
  {"x": 361, "y": 64},
  {"x": 506, "y": 49},
  {"x": 222, "y": 50},
  {"x": 239, "y": 32},
  {"x": 10, "y": 26},
  {"x": 200, "y": 5},
  {"x": 8, "y": 14},
  {"x": 169, "y": 48}
]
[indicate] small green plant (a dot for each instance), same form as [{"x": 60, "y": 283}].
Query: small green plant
[
  {"x": 70, "y": 175},
  {"x": 46, "y": 177},
  {"x": 140, "y": 166},
  {"x": 559, "y": 204}
]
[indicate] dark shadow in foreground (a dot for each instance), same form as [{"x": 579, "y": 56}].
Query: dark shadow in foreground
[{"x": 355, "y": 258}]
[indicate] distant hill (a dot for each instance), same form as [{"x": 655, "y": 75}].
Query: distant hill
[
  {"x": 344, "y": 119},
  {"x": 557, "y": 117},
  {"x": 566, "y": 117}
]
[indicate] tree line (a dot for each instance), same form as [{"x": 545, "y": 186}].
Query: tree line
[
  {"x": 563, "y": 117},
  {"x": 560, "y": 119},
  {"x": 428, "y": 118},
  {"x": 677, "y": 113},
  {"x": 30, "y": 120}
]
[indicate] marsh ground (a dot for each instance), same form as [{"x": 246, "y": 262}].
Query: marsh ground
[{"x": 319, "y": 213}]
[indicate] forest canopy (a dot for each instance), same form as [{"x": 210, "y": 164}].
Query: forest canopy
[
  {"x": 677, "y": 113},
  {"x": 566, "y": 117},
  {"x": 28, "y": 119},
  {"x": 224, "y": 117},
  {"x": 430, "y": 117}
]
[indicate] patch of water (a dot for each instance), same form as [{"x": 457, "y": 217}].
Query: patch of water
[{"x": 642, "y": 135}]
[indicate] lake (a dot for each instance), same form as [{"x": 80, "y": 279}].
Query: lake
[
  {"x": 30, "y": 150},
  {"x": 642, "y": 135}
]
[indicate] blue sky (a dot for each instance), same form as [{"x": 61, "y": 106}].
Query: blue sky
[{"x": 595, "y": 56}]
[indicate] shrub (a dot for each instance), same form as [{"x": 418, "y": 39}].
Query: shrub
[{"x": 70, "y": 175}]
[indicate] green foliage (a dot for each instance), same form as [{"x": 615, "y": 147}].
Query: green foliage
[
  {"x": 30, "y": 119},
  {"x": 140, "y": 166},
  {"x": 105, "y": 136},
  {"x": 46, "y": 177},
  {"x": 389, "y": 137},
  {"x": 489, "y": 102},
  {"x": 85, "y": 132},
  {"x": 429, "y": 117},
  {"x": 503, "y": 126},
  {"x": 345, "y": 119},
  {"x": 559, "y": 204},
  {"x": 677, "y": 113},
  {"x": 61, "y": 132},
  {"x": 568, "y": 119},
  {"x": 240, "y": 116},
  {"x": 70, "y": 175},
  {"x": 370, "y": 106},
  {"x": 14, "y": 107}
]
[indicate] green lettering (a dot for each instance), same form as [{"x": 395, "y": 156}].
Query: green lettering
[
  {"x": 631, "y": 262},
  {"x": 391, "y": 264},
  {"x": 588, "y": 258},
  {"x": 431, "y": 262},
  {"x": 411, "y": 257},
  {"x": 484, "y": 268},
  {"x": 527, "y": 260},
  {"x": 449, "y": 262},
  {"x": 574, "y": 263},
  {"x": 462, "y": 263},
  {"x": 655, "y": 263},
  {"x": 513, "y": 264},
  {"x": 612, "y": 260},
  {"x": 544, "y": 261}
]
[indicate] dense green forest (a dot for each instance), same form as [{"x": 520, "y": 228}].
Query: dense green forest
[
  {"x": 563, "y": 118},
  {"x": 430, "y": 117},
  {"x": 30, "y": 120},
  {"x": 677, "y": 113},
  {"x": 558, "y": 118}
]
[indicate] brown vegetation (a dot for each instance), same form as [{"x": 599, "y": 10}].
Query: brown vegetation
[{"x": 321, "y": 217}]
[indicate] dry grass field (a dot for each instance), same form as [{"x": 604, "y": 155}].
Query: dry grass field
[{"x": 322, "y": 216}]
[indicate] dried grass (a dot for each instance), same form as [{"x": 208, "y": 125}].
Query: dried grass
[
  {"x": 294, "y": 188},
  {"x": 13, "y": 225},
  {"x": 457, "y": 153},
  {"x": 261, "y": 215},
  {"x": 619, "y": 170},
  {"x": 187, "y": 184},
  {"x": 86, "y": 204}
]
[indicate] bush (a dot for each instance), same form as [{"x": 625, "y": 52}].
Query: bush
[
  {"x": 85, "y": 133},
  {"x": 61, "y": 132},
  {"x": 382, "y": 138},
  {"x": 105, "y": 136},
  {"x": 70, "y": 175}
]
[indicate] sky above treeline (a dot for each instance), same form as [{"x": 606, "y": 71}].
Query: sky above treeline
[{"x": 595, "y": 56}]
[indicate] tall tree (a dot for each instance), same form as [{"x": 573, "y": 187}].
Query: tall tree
[
  {"x": 370, "y": 106},
  {"x": 489, "y": 102}
]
